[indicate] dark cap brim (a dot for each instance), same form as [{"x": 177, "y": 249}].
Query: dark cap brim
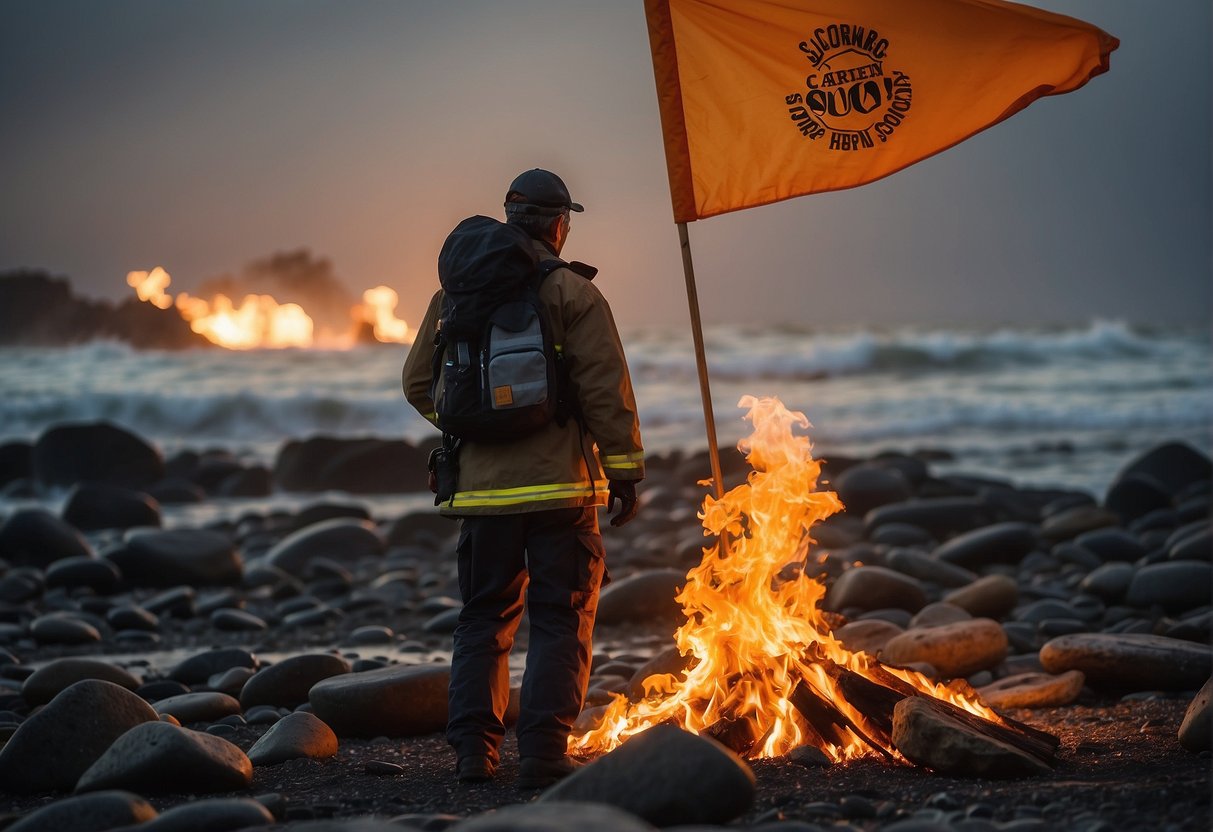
[{"x": 576, "y": 206}]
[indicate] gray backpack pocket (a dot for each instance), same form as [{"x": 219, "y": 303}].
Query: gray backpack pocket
[{"x": 516, "y": 367}]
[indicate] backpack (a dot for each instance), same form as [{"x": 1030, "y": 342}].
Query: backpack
[{"x": 495, "y": 366}]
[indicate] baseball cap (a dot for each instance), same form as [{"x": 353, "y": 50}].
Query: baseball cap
[{"x": 544, "y": 189}]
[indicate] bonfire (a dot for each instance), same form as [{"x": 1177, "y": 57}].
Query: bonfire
[{"x": 763, "y": 672}]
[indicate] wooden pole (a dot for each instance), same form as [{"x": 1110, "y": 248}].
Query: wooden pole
[{"x": 701, "y": 361}]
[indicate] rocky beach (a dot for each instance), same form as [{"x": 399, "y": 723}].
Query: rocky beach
[{"x": 287, "y": 669}]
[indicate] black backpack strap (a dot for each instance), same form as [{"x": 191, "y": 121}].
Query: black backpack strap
[
  {"x": 585, "y": 270},
  {"x": 545, "y": 268}
]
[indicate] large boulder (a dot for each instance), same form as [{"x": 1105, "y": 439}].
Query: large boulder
[
  {"x": 35, "y": 537},
  {"x": 342, "y": 539},
  {"x": 1112, "y": 544},
  {"x": 359, "y": 466},
  {"x": 990, "y": 597},
  {"x": 1130, "y": 661},
  {"x": 873, "y": 588},
  {"x": 202, "y": 706},
  {"x": 92, "y": 505},
  {"x": 941, "y": 516},
  {"x": 1136, "y": 495},
  {"x": 286, "y": 684},
  {"x": 97, "y": 574},
  {"x": 63, "y": 628},
  {"x": 546, "y": 817},
  {"x": 1033, "y": 690},
  {"x": 400, "y": 701},
  {"x": 1000, "y": 543},
  {"x": 1172, "y": 465},
  {"x": 95, "y": 452},
  {"x": 1109, "y": 582},
  {"x": 88, "y": 813},
  {"x": 868, "y": 635},
  {"x": 865, "y": 487},
  {"x": 57, "y": 675},
  {"x": 295, "y": 736},
  {"x": 666, "y": 776},
  {"x": 644, "y": 597},
  {"x": 52, "y": 748},
  {"x": 195, "y": 557},
  {"x": 957, "y": 649},
  {"x": 157, "y": 757},
  {"x": 218, "y": 814},
  {"x": 1176, "y": 586},
  {"x": 1071, "y": 522},
  {"x": 919, "y": 565},
  {"x": 198, "y": 668}
]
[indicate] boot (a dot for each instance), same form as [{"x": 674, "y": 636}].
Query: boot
[
  {"x": 541, "y": 772},
  {"x": 475, "y": 768}
]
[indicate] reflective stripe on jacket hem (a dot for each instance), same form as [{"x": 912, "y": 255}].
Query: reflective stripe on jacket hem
[{"x": 527, "y": 494}]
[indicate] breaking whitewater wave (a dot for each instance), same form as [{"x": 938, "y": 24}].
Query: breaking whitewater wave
[
  {"x": 994, "y": 397},
  {"x": 737, "y": 352}
]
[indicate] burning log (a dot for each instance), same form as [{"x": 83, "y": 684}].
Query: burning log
[
  {"x": 1030, "y": 740},
  {"x": 877, "y": 695},
  {"x": 739, "y": 735},
  {"x": 830, "y": 722}
]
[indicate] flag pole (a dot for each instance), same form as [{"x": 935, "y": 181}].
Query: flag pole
[{"x": 701, "y": 361}]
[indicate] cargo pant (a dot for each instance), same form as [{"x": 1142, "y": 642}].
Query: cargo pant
[{"x": 556, "y": 559}]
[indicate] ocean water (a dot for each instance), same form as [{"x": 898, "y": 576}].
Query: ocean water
[{"x": 1058, "y": 407}]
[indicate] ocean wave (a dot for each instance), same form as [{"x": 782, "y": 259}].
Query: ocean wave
[
  {"x": 737, "y": 353},
  {"x": 227, "y": 420}
]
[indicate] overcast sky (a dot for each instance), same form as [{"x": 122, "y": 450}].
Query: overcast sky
[{"x": 200, "y": 135}]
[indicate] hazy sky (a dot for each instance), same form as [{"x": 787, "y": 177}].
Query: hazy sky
[{"x": 202, "y": 134}]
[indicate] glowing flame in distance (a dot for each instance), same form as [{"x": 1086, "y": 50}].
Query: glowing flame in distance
[{"x": 260, "y": 321}]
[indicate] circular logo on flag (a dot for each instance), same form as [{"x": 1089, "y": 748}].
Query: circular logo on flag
[{"x": 852, "y": 98}]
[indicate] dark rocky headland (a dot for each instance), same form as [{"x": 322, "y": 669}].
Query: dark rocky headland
[
  {"x": 287, "y": 669},
  {"x": 40, "y": 310}
]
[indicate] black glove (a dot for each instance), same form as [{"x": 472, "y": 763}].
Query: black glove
[{"x": 625, "y": 492}]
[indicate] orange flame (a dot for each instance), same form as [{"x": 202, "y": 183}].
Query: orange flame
[
  {"x": 379, "y": 309},
  {"x": 754, "y": 630},
  {"x": 261, "y": 322},
  {"x": 150, "y": 286}
]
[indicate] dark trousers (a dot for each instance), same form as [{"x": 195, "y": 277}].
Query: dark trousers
[{"x": 556, "y": 559}]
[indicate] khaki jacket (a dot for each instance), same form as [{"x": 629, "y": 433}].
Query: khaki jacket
[{"x": 555, "y": 467}]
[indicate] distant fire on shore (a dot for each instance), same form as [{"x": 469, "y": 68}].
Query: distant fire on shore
[{"x": 260, "y": 321}]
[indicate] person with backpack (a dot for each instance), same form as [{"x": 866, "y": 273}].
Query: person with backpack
[{"x": 528, "y": 381}]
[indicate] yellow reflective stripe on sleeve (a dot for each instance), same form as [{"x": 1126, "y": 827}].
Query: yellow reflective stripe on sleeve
[
  {"x": 616, "y": 460},
  {"x": 623, "y": 465},
  {"x": 525, "y": 494}
]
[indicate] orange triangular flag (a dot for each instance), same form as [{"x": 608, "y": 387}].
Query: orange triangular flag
[{"x": 764, "y": 100}]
